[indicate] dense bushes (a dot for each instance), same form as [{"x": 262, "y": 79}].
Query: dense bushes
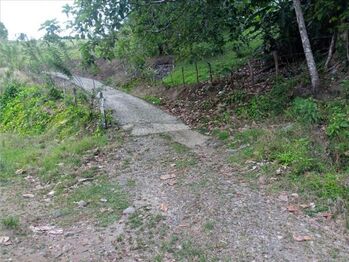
[{"x": 34, "y": 110}]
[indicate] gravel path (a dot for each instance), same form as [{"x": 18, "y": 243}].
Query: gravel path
[{"x": 187, "y": 205}]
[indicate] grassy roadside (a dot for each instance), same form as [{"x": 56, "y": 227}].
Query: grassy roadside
[
  {"x": 293, "y": 144},
  {"x": 45, "y": 136}
]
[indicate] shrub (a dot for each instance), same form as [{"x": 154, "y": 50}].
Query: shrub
[
  {"x": 10, "y": 222},
  {"x": 270, "y": 104},
  {"x": 153, "y": 100},
  {"x": 32, "y": 110},
  {"x": 306, "y": 111},
  {"x": 221, "y": 134},
  {"x": 345, "y": 88}
]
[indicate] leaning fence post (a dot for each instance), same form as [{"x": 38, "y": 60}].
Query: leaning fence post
[
  {"x": 102, "y": 109},
  {"x": 276, "y": 61},
  {"x": 93, "y": 96},
  {"x": 183, "y": 75},
  {"x": 74, "y": 94},
  {"x": 251, "y": 71},
  {"x": 197, "y": 72},
  {"x": 210, "y": 70}
]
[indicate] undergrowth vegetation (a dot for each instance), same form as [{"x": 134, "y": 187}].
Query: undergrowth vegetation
[
  {"x": 299, "y": 144},
  {"x": 45, "y": 134}
]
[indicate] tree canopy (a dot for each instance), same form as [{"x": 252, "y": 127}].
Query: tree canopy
[
  {"x": 195, "y": 29},
  {"x": 3, "y": 32}
]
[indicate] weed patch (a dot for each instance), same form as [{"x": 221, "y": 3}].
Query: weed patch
[
  {"x": 10, "y": 222},
  {"x": 105, "y": 197}
]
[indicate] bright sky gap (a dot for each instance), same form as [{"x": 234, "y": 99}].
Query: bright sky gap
[{"x": 26, "y": 16}]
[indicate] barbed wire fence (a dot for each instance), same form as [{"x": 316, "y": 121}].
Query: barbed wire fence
[{"x": 205, "y": 71}]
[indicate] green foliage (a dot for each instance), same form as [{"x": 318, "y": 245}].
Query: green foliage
[
  {"x": 130, "y": 85},
  {"x": 92, "y": 194},
  {"x": 153, "y": 100},
  {"x": 327, "y": 186},
  {"x": 221, "y": 134},
  {"x": 52, "y": 30},
  {"x": 33, "y": 110},
  {"x": 296, "y": 153},
  {"x": 270, "y": 104},
  {"x": 237, "y": 98},
  {"x": 11, "y": 56},
  {"x": 292, "y": 148},
  {"x": 345, "y": 88},
  {"x": 308, "y": 169},
  {"x": 3, "y": 32},
  {"x": 10, "y": 222},
  {"x": 306, "y": 111},
  {"x": 338, "y": 131}
]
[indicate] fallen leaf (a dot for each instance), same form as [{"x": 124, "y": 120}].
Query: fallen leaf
[
  {"x": 295, "y": 195},
  {"x": 82, "y": 180},
  {"x": 292, "y": 209},
  {"x": 172, "y": 182},
  {"x": 164, "y": 207},
  {"x": 103, "y": 200},
  {"x": 327, "y": 215},
  {"x": 28, "y": 195},
  {"x": 20, "y": 172},
  {"x": 283, "y": 197},
  {"x": 304, "y": 206},
  {"x": 5, "y": 240},
  {"x": 299, "y": 238},
  {"x": 52, "y": 230},
  {"x": 166, "y": 177},
  {"x": 57, "y": 231}
]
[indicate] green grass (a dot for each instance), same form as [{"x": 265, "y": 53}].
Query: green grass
[
  {"x": 179, "y": 148},
  {"x": 135, "y": 220},
  {"x": 221, "y": 65},
  {"x": 103, "y": 212},
  {"x": 153, "y": 100},
  {"x": 52, "y": 160},
  {"x": 185, "y": 163},
  {"x": 309, "y": 169},
  {"x": 10, "y": 222},
  {"x": 221, "y": 134},
  {"x": 208, "y": 226}
]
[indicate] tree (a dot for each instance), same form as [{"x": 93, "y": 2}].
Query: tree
[
  {"x": 3, "y": 32},
  {"x": 170, "y": 26},
  {"x": 22, "y": 37},
  {"x": 52, "y": 30},
  {"x": 314, "y": 75}
]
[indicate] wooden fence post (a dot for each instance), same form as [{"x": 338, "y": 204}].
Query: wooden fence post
[
  {"x": 197, "y": 72},
  {"x": 93, "y": 96},
  {"x": 210, "y": 70},
  {"x": 251, "y": 71},
  {"x": 102, "y": 109},
  {"x": 74, "y": 94},
  {"x": 276, "y": 61},
  {"x": 183, "y": 78}
]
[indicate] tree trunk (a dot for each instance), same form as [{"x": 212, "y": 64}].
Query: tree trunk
[
  {"x": 314, "y": 75},
  {"x": 197, "y": 72},
  {"x": 331, "y": 50},
  {"x": 251, "y": 72},
  {"x": 347, "y": 44},
  {"x": 276, "y": 62}
]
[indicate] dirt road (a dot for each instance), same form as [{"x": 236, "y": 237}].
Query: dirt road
[{"x": 183, "y": 205}]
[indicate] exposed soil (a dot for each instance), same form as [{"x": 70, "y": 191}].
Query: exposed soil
[{"x": 188, "y": 206}]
